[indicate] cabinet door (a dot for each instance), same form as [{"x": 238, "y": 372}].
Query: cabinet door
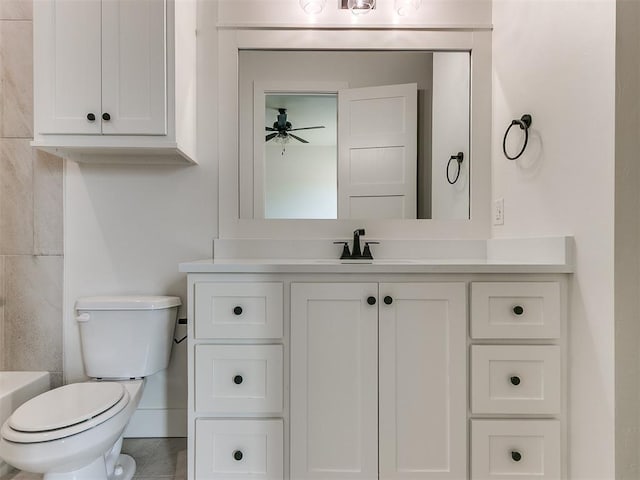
[
  {"x": 67, "y": 72},
  {"x": 423, "y": 381},
  {"x": 134, "y": 67},
  {"x": 334, "y": 384}
]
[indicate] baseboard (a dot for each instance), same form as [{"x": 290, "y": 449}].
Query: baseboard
[{"x": 157, "y": 423}]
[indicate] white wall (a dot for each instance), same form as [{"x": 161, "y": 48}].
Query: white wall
[
  {"x": 450, "y": 135},
  {"x": 556, "y": 61},
  {"x": 438, "y": 13},
  {"x": 127, "y": 228},
  {"x": 302, "y": 182}
]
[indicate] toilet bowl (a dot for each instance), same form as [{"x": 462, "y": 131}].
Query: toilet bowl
[
  {"x": 75, "y": 432},
  {"x": 42, "y": 439}
]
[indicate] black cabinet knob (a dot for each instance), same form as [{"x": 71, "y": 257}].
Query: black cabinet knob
[
  {"x": 515, "y": 380},
  {"x": 516, "y": 456},
  {"x": 238, "y": 379},
  {"x": 237, "y": 310},
  {"x": 106, "y": 117},
  {"x": 91, "y": 117},
  {"x": 237, "y": 455},
  {"x": 371, "y": 300},
  {"x": 388, "y": 300},
  {"x": 518, "y": 310}
]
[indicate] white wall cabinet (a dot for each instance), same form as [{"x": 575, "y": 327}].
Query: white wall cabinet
[
  {"x": 378, "y": 380},
  {"x": 106, "y": 79}
]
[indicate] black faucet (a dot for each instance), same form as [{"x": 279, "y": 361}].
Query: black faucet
[{"x": 356, "y": 253}]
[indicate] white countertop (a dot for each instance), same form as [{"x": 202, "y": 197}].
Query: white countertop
[
  {"x": 377, "y": 266},
  {"x": 539, "y": 255}
]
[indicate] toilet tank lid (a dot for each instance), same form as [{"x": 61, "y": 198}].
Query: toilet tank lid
[{"x": 128, "y": 302}]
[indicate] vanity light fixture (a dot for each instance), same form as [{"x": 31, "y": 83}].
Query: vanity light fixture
[
  {"x": 312, "y": 7},
  {"x": 358, "y": 7},
  {"x": 406, "y": 7}
]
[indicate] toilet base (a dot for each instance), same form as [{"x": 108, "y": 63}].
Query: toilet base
[{"x": 124, "y": 469}]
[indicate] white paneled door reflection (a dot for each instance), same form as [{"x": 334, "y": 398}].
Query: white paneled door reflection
[{"x": 377, "y": 138}]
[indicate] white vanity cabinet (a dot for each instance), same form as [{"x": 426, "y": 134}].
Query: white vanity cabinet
[
  {"x": 516, "y": 380},
  {"x": 236, "y": 387},
  {"x": 105, "y": 79},
  {"x": 299, "y": 372},
  {"x": 378, "y": 380}
]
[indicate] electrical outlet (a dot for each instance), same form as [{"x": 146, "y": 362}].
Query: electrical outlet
[{"x": 498, "y": 212}]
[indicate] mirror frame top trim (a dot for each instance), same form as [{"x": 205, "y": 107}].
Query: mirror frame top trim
[{"x": 477, "y": 42}]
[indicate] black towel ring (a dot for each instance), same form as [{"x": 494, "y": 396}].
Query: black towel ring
[
  {"x": 524, "y": 123},
  {"x": 459, "y": 157}
]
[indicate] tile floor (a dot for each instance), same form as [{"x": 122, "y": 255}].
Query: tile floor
[{"x": 156, "y": 459}]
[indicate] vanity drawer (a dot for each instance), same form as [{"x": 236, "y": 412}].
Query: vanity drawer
[
  {"x": 515, "y": 310},
  {"x": 239, "y": 449},
  {"x": 515, "y": 449},
  {"x": 515, "y": 379},
  {"x": 238, "y": 310},
  {"x": 238, "y": 378}
]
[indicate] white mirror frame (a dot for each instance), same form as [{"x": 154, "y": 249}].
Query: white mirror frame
[{"x": 231, "y": 40}]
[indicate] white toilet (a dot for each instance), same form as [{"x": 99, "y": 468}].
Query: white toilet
[{"x": 75, "y": 432}]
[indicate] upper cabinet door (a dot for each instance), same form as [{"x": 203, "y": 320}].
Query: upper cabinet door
[
  {"x": 423, "y": 407},
  {"x": 377, "y": 152},
  {"x": 134, "y": 67},
  {"x": 67, "y": 66}
]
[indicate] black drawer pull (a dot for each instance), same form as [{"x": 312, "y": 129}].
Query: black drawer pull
[
  {"x": 91, "y": 117},
  {"x": 371, "y": 300},
  {"x": 106, "y": 117},
  {"x": 238, "y": 379},
  {"x": 516, "y": 456},
  {"x": 518, "y": 310},
  {"x": 388, "y": 300},
  {"x": 237, "y": 311},
  {"x": 515, "y": 380},
  {"x": 237, "y": 455}
]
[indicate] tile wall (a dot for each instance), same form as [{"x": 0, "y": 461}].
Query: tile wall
[{"x": 31, "y": 235}]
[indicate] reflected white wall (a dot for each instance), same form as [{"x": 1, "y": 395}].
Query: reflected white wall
[{"x": 301, "y": 182}]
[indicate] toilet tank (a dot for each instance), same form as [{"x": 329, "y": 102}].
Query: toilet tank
[{"x": 126, "y": 336}]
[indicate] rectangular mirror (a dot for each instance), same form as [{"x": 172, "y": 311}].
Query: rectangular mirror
[
  {"x": 242, "y": 121},
  {"x": 354, "y": 134}
]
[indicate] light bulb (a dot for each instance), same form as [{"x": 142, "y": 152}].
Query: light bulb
[
  {"x": 312, "y": 7},
  {"x": 407, "y": 7},
  {"x": 358, "y": 7}
]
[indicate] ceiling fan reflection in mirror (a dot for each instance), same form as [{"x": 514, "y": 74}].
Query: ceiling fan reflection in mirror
[{"x": 282, "y": 128}]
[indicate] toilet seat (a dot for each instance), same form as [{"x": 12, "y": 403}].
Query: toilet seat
[{"x": 65, "y": 411}]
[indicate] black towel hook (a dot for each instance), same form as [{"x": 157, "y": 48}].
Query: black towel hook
[
  {"x": 459, "y": 157},
  {"x": 524, "y": 123}
]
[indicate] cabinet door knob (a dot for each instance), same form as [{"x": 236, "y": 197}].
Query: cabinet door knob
[
  {"x": 515, "y": 380},
  {"x": 371, "y": 300},
  {"x": 106, "y": 117},
  {"x": 237, "y": 455},
  {"x": 237, "y": 310},
  {"x": 91, "y": 117},
  {"x": 516, "y": 456},
  {"x": 518, "y": 310},
  {"x": 238, "y": 379},
  {"x": 388, "y": 300}
]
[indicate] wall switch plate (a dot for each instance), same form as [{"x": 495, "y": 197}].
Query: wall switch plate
[{"x": 498, "y": 212}]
